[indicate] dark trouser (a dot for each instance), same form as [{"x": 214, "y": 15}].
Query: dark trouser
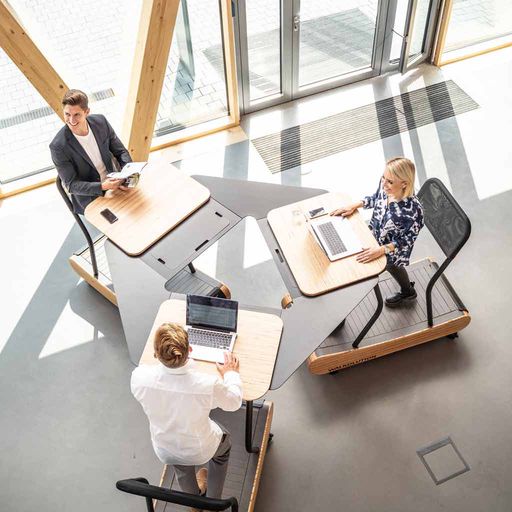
[
  {"x": 401, "y": 277},
  {"x": 217, "y": 469}
]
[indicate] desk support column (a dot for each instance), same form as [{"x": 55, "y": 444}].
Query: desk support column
[
  {"x": 373, "y": 319},
  {"x": 248, "y": 428}
]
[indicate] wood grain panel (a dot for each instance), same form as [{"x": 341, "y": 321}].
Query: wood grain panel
[
  {"x": 20, "y": 48},
  {"x": 156, "y": 28},
  {"x": 344, "y": 359},
  {"x": 310, "y": 266},
  {"x": 164, "y": 197},
  {"x": 257, "y": 343}
]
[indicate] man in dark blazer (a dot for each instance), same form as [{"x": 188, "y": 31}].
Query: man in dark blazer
[{"x": 83, "y": 152}]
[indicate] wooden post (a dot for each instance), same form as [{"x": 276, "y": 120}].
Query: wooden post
[
  {"x": 20, "y": 48},
  {"x": 156, "y": 28},
  {"x": 444, "y": 22}
]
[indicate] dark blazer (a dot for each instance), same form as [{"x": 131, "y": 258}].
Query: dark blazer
[{"x": 75, "y": 168}]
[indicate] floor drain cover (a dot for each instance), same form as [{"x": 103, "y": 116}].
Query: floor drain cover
[{"x": 443, "y": 460}]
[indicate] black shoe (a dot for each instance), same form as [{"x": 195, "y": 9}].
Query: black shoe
[{"x": 401, "y": 298}]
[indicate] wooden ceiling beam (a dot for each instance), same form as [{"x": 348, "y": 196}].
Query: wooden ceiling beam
[
  {"x": 158, "y": 18},
  {"x": 20, "y": 48}
]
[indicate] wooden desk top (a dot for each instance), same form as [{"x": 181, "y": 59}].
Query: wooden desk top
[
  {"x": 314, "y": 272},
  {"x": 164, "y": 197},
  {"x": 256, "y": 345}
]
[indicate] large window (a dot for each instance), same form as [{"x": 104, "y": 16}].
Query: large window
[
  {"x": 27, "y": 125},
  {"x": 194, "y": 89},
  {"x": 477, "y": 21},
  {"x": 90, "y": 44}
]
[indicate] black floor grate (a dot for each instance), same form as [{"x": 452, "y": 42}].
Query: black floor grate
[{"x": 369, "y": 123}]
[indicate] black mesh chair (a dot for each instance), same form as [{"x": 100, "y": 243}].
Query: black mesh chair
[
  {"x": 90, "y": 243},
  {"x": 141, "y": 487},
  {"x": 449, "y": 226}
]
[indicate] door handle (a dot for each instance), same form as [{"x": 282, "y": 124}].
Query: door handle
[{"x": 296, "y": 23}]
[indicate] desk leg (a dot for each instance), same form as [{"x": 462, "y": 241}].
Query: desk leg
[
  {"x": 373, "y": 319},
  {"x": 248, "y": 428}
]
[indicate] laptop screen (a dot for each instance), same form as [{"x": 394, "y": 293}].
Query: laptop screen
[{"x": 212, "y": 313}]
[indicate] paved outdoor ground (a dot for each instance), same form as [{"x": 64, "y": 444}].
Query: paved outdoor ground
[{"x": 91, "y": 45}]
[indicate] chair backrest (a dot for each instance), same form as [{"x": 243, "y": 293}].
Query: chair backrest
[
  {"x": 444, "y": 217},
  {"x": 65, "y": 196},
  {"x": 141, "y": 487},
  {"x": 64, "y": 193}
]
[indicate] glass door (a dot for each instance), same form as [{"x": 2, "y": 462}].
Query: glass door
[
  {"x": 418, "y": 33},
  {"x": 334, "y": 42},
  {"x": 263, "y": 77},
  {"x": 292, "y": 48}
]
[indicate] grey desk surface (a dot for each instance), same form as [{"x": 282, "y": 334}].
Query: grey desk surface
[{"x": 140, "y": 282}]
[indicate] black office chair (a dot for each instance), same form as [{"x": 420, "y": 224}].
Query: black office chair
[
  {"x": 449, "y": 226},
  {"x": 141, "y": 487},
  {"x": 90, "y": 243}
]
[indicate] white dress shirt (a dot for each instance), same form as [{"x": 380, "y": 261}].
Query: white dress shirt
[
  {"x": 88, "y": 142},
  {"x": 177, "y": 403}
]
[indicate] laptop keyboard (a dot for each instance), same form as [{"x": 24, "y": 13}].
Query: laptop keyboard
[
  {"x": 212, "y": 339},
  {"x": 331, "y": 238}
]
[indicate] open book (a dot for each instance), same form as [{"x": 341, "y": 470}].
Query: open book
[{"x": 130, "y": 173}]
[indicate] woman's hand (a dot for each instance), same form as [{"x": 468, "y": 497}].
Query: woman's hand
[
  {"x": 347, "y": 211},
  {"x": 370, "y": 254}
]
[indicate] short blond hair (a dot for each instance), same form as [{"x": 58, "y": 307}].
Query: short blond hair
[
  {"x": 403, "y": 169},
  {"x": 171, "y": 345}
]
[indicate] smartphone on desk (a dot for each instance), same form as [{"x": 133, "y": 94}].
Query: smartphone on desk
[
  {"x": 109, "y": 215},
  {"x": 316, "y": 212}
]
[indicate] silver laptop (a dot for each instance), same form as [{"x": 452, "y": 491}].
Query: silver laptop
[
  {"x": 211, "y": 326},
  {"x": 336, "y": 237}
]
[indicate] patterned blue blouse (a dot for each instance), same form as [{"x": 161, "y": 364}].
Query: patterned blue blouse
[{"x": 398, "y": 223}]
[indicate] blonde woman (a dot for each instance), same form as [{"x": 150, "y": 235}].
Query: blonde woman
[
  {"x": 396, "y": 221},
  {"x": 177, "y": 400}
]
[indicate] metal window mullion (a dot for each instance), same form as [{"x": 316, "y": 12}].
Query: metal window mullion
[
  {"x": 242, "y": 55},
  {"x": 288, "y": 67}
]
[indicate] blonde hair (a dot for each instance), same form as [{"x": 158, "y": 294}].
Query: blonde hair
[
  {"x": 403, "y": 169},
  {"x": 171, "y": 345}
]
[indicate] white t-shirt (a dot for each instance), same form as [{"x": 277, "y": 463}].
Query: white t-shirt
[
  {"x": 88, "y": 142},
  {"x": 177, "y": 403}
]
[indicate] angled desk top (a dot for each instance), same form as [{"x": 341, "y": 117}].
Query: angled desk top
[
  {"x": 256, "y": 345},
  {"x": 314, "y": 272},
  {"x": 164, "y": 197}
]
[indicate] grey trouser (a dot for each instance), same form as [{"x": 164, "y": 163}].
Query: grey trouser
[
  {"x": 401, "y": 276},
  {"x": 217, "y": 469}
]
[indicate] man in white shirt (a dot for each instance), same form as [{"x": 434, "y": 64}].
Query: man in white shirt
[
  {"x": 177, "y": 400},
  {"x": 83, "y": 151}
]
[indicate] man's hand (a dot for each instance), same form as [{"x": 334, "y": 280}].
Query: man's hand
[
  {"x": 231, "y": 364},
  {"x": 370, "y": 254},
  {"x": 111, "y": 184}
]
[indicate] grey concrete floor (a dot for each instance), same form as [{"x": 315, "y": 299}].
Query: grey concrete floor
[{"x": 70, "y": 428}]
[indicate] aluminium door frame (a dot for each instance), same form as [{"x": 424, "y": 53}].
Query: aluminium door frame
[
  {"x": 289, "y": 53},
  {"x": 406, "y": 64}
]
